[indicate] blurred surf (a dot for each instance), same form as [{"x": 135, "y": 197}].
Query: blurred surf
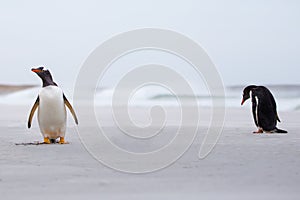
[{"x": 287, "y": 96}]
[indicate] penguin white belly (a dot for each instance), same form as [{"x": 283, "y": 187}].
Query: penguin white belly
[
  {"x": 256, "y": 108},
  {"x": 52, "y": 112}
]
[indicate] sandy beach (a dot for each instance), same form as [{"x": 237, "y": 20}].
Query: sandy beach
[
  {"x": 241, "y": 166},
  {"x": 7, "y": 89},
  {"x": 153, "y": 56}
]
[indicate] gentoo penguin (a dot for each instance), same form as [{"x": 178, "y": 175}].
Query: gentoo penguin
[
  {"x": 51, "y": 103},
  {"x": 263, "y": 109}
]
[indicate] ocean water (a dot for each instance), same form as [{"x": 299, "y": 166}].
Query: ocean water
[{"x": 287, "y": 97}]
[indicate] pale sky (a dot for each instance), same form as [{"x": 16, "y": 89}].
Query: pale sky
[{"x": 249, "y": 41}]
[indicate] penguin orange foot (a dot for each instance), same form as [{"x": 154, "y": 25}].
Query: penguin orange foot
[
  {"x": 258, "y": 131},
  {"x": 62, "y": 141},
  {"x": 47, "y": 140}
]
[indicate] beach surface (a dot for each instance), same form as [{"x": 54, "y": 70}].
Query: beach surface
[
  {"x": 7, "y": 89},
  {"x": 241, "y": 166}
]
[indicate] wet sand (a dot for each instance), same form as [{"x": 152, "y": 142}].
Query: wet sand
[{"x": 241, "y": 166}]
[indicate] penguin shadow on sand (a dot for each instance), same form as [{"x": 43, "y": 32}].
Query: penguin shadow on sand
[
  {"x": 51, "y": 104},
  {"x": 264, "y": 109},
  {"x": 36, "y": 143}
]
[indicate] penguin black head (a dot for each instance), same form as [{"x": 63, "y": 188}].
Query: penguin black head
[
  {"x": 45, "y": 75},
  {"x": 246, "y": 93}
]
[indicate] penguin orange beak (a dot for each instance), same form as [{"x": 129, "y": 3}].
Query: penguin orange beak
[
  {"x": 36, "y": 70},
  {"x": 242, "y": 101}
]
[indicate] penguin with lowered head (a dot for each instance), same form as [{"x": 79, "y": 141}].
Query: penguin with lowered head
[
  {"x": 51, "y": 104},
  {"x": 264, "y": 109}
]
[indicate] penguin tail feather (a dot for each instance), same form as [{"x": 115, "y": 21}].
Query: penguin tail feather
[
  {"x": 53, "y": 141},
  {"x": 277, "y": 130}
]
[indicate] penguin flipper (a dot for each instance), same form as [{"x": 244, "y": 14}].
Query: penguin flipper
[
  {"x": 70, "y": 108},
  {"x": 33, "y": 109},
  {"x": 277, "y": 118},
  {"x": 273, "y": 102}
]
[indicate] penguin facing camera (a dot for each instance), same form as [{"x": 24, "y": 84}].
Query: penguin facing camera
[
  {"x": 51, "y": 104},
  {"x": 264, "y": 109}
]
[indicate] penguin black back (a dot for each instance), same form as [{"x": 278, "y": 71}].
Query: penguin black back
[{"x": 264, "y": 108}]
